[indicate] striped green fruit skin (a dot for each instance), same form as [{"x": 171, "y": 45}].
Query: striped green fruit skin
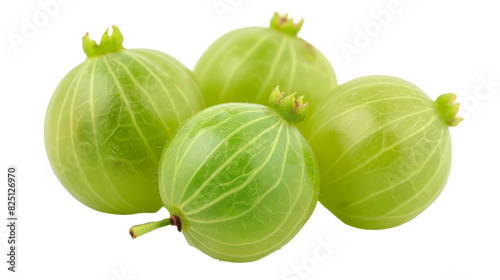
[
  {"x": 107, "y": 124},
  {"x": 246, "y": 64},
  {"x": 242, "y": 180},
  {"x": 383, "y": 150}
]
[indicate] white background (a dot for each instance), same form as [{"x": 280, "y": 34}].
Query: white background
[{"x": 441, "y": 46}]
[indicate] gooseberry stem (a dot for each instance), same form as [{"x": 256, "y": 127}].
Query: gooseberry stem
[{"x": 142, "y": 229}]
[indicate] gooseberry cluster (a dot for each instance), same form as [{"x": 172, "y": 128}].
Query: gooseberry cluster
[{"x": 240, "y": 171}]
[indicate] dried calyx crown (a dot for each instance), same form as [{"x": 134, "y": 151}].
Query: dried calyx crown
[
  {"x": 108, "y": 44},
  {"x": 291, "y": 109},
  {"x": 448, "y": 109},
  {"x": 285, "y": 25}
]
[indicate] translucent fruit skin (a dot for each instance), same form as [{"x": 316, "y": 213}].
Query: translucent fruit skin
[
  {"x": 246, "y": 64},
  {"x": 242, "y": 180},
  {"x": 383, "y": 150},
  {"x": 107, "y": 124}
]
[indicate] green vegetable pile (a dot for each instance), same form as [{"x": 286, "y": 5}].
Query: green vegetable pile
[{"x": 239, "y": 164}]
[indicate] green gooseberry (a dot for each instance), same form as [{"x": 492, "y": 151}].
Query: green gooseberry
[
  {"x": 245, "y": 64},
  {"x": 383, "y": 149},
  {"x": 239, "y": 179},
  {"x": 109, "y": 119}
]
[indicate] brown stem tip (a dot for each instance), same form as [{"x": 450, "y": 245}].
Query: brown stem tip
[
  {"x": 131, "y": 231},
  {"x": 176, "y": 221}
]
